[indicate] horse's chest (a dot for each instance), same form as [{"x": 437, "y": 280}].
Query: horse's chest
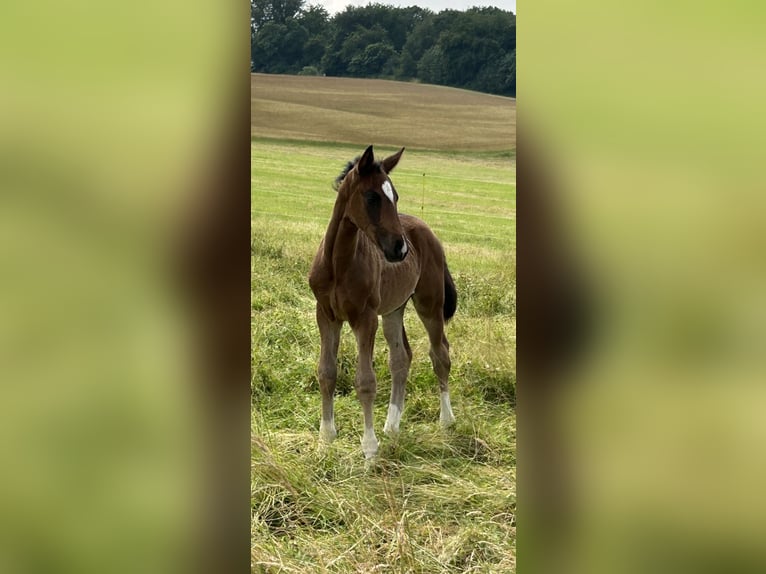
[
  {"x": 397, "y": 283},
  {"x": 352, "y": 293},
  {"x": 386, "y": 290}
]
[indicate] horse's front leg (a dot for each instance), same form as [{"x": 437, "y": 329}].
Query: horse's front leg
[
  {"x": 366, "y": 386},
  {"x": 329, "y": 331},
  {"x": 400, "y": 358}
]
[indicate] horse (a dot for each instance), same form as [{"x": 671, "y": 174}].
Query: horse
[{"x": 371, "y": 262}]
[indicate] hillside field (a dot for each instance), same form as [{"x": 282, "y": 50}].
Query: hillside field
[
  {"x": 312, "y": 108},
  {"x": 435, "y": 501}
]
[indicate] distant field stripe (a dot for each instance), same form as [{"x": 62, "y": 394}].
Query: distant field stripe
[
  {"x": 302, "y": 196},
  {"x": 438, "y": 229},
  {"x": 501, "y": 181},
  {"x": 446, "y": 231},
  {"x": 290, "y": 216},
  {"x": 321, "y": 219},
  {"x": 431, "y": 211},
  {"x": 464, "y": 214}
]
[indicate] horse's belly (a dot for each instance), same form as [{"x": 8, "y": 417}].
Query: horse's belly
[{"x": 397, "y": 284}]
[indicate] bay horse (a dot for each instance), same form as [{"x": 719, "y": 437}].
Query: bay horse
[{"x": 371, "y": 261}]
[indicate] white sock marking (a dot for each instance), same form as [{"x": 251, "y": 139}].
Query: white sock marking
[
  {"x": 369, "y": 443},
  {"x": 392, "y": 421},
  {"x": 446, "y": 417},
  {"x": 327, "y": 430},
  {"x": 388, "y": 190}
]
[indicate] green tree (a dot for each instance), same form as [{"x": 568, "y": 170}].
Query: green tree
[
  {"x": 470, "y": 50},
  {"x": 286, "y": 36},
  {"x": 278, "y": 11},
  {"x": 474, "y": 49},
  {"x": 370, "y": 62},
  {"x": 432, "y": 67},
  {"x": 407, "y": 68},
  {"x": 508, "y": 71},
  {"x": 265, "y": 46},
  {"x": 358, "y": 27},
  {"x": 315, "y": 20},
  {"x": 356, "y": 42}
]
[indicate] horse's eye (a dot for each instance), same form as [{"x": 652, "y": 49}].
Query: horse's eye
[{"x": 372, "y": 198}]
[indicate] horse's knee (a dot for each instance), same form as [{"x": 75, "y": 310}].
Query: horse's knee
[
  {"x": 327, "y": 372},
  {"x": 327, "y": 376},
  {"x": 440, "y": 360},
  {"x": 366, "y": 386}
]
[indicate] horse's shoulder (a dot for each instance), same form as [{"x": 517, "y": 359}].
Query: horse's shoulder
[
  {"x": 417, "y": 230},
  {"x": 412, "y": 224},
  {"x": 319, "y": 272},
  {"x": 410, "y": 220}
]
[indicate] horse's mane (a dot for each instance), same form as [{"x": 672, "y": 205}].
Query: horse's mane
[{"x": 349, "y": 166}]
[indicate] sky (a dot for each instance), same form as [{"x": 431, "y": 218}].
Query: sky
[{"x": 334, "y": 6}]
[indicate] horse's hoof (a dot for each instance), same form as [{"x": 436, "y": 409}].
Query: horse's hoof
[
  {"x": 372, "y": 465},
  {"x": 369, "y": 445},
  {"x": 447, "y": 421},
  {"x": 369, "y": 453},
  {"x": 327, "y": 434}
]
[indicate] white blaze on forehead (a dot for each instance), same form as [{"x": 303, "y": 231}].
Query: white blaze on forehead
[{"x": 388, "y": 190}]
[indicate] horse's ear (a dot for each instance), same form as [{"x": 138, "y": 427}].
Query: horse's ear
[
  {"x": 390, "y": 162},
  {"x": 366, "y": 162}
]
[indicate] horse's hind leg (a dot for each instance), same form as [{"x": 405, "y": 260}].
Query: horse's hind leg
[
  {"x": 433, "y": 320},
  {"x": 329, "y": 331},
  {"x": 364, "y": 329},
  {"x": 400, "y": 357}
]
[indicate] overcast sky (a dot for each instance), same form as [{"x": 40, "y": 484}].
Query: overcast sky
[{"x": 333, "y": 6}]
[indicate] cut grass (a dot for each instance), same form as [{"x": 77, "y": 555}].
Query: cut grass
[
  {"x": 310, "y": 108},
  {"x": 435, "y": 501}
]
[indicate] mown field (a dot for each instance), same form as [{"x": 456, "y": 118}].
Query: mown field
[
  {"x": 435, "y": 501},
  {"x": 381, "y": 112}
]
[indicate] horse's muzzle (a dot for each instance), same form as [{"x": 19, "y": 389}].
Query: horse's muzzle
[{"x": 396, "y": 251}]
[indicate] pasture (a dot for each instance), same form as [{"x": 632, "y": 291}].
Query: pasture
[
  {"x": 435, "y": 501},
  {"x": 394, "y": 113}
]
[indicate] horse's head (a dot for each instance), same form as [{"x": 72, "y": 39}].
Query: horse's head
[{"x": 371, "y": 202}]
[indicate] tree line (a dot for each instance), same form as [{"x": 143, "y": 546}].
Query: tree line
[{"x": 473, "y": 49}]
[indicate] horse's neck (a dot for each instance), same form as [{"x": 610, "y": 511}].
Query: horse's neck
[
  {"x": 345, "y": 247},
  {"x": 340, "y": 239}
]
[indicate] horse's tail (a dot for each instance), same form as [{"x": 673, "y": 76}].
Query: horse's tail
[{"x": 450, "y": 295}]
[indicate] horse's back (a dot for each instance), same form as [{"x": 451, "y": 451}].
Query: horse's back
[{"x": 422, "y": 238}]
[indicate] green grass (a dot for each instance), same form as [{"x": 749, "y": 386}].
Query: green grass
[{"x": 435, "y": 501}]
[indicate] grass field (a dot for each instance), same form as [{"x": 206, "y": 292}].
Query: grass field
[
  {"x": 382, "y": 112},
  {"x": 435, "y": 501}
]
